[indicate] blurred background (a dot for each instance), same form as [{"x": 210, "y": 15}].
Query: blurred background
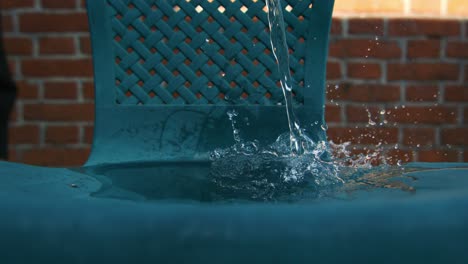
[{"x": 397, "y": 75}]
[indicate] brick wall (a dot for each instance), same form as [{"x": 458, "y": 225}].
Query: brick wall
[
  {"x": 409, "y": 77},
  {"x": 413, "y": 70}
]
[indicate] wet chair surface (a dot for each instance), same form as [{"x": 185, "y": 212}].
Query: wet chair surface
[{"x": 166, "y": 73}]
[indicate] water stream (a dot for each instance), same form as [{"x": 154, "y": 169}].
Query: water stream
[{"x": 280, "y": 50}]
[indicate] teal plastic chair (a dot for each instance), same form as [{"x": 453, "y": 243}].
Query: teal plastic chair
[{"x": 166, "y": 73}]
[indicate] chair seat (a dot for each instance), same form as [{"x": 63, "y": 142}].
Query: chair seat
[{"x": 52, "y": 216}]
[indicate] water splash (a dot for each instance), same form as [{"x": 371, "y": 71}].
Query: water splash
[
  {"x": 294, "y": 165},
  {"x": 248, "y": 170}
]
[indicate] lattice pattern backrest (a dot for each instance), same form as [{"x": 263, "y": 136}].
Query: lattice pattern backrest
[{"x": 202, "y": 51}]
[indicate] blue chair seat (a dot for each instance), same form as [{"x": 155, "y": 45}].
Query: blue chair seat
[{"x": 54, "y": 216}]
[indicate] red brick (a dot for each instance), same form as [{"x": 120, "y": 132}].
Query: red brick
[
  {"x": 56, "y": 156},
  {"x": 457, "y": 49},
  {"x": 334, "y": 92},
  {"x": 14, "y": 114},
  {"x": 56, "y": 45},
  {"x": 363, "y": 48},
  {"x": 456, "y": 93},
  {"x": 61, "y": 90},
  {"x": 18, "y": 46},
  {"x": 418, "y": 136},
  {"x": 88, "y": 90},
  {"x": 7, "y": 23},
  {"x": 399, "y": 156},
  {"x": 13, "y": 155},
  {"x": 424, "y": 48},
  {"x": 373, "y": 156},
  {"x": 85, "y": 45},
  {"x": 58, "y": 3},
  {"x": 428, "y": 27},
  {"x": 27, "y": 90},
  {"x": 466, "y": 73},
  {"x": 455, "y": 136},
  {"x": 360, "y": 114},
  {"x": 364, "y": 70},
  {"x": 11, "y": 4},
  {"x": 424, "y": 115},
  {"x": 26, "y": 134},
  {"x": 57, "y": 68},
  {"x": 336, "y": 27},
  {"x": 88, "y": 134},
  {"x": 59, "y": 112},
  {"x": 466, "y": 29},
  {"x": 465, "y": 114},
  {"x": 363, "y": 135},
  {"x": 332, "y": 113},
  {"x": 372, "y": 26},
  {"x": 422, "y": 93},
  {"x": 423, "y": 72},
  {"x": 12, "y": 66},
  {"x": 62, "y": 135},
  {"x": 42, "y": 22},
  {"x": 365, "y": 93},
  {"x": 438, "y": 155},
  {"x": 333, "y": 70}
]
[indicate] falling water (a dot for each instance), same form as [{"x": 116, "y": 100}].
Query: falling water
[{"x": 280, "y": 49}]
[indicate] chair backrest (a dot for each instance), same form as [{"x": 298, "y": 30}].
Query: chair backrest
[{"x": 166, "y": 72}]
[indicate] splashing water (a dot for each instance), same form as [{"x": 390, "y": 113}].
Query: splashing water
[
  {"x": 293, "y": 165},
  {"x": 248, "y": 170}
]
